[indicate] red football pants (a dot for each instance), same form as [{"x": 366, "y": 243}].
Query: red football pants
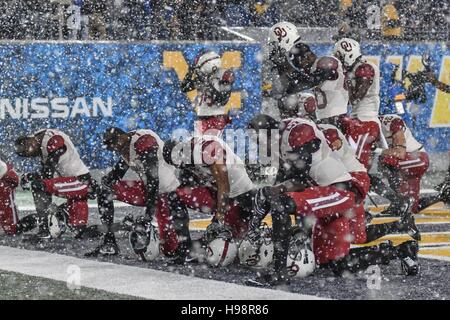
[
  {"x": 203, "y": 199},
  {"x": 332, "y": 208},
  {"x": 357, "y": 222},
  {"x": 411, "y": 170},
  {"x": 76, "y": 193},
  {"x": 8, "y": 210},
  {"x": 134, "y": 193}
]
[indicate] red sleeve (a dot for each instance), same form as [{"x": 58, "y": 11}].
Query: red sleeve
[
  {"x": 397, "y": 125},
  {"x": 228, "y": 77},
  {"x": 365, "y": 71},
  {"x": 55, "y": 143},
  {"x": 331, "y": 135},
  {"x": 145, "y": 144},
  {"x": 300, "y": 135},
  {"x": 10, "y": 178}
]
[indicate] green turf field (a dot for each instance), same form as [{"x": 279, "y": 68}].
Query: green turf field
[{"x": 16, "y": 286}]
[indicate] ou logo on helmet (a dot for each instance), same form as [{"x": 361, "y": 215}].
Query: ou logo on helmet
[
  {"x": 280, "y": 33},
  {"x": 346, "y": 46}
]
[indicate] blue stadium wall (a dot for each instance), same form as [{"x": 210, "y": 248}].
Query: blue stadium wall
[{"x": 127, "y": 85}]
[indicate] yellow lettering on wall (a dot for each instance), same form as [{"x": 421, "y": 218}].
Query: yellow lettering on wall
[
  {"x": 414, "y": 65},
  {"x": 374, "y": 59},
  {"x": 440, "y": 116},
  {"x": 398, "y": 60},
  {"x": 230, "y": 59}
]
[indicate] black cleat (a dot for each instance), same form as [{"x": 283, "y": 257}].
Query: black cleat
[
  {"x": 85, "y": 232},
  {"x": 386, "y": 247},
  {"x": 127, "y": 223},
  {"x": 408, "y": 224},
  {"x": 400, "y": 208},
  {"x": 444, "y": 192},
  {"x": 106, "y": 249},
  {"x": 269, "y": 280},
  {"x": 407, "y": 252},
  {"x": 41, "y": 236},
  {"x": 368, "y": 217}
]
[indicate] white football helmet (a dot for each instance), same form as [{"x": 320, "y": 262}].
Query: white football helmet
[
  {"x": 221, "y": 252},
  {"x": 207, "y": 63},
  {"x": 300, "y": 262},
  {"x": 57, "y": 225},
  {"x": 257, "y": 254},
  {"x": 283, "y": 34},
  {"x": 144, "y": 239},
  {"x": 56, "y": 220},
  {"x": 348, "y": 51}
]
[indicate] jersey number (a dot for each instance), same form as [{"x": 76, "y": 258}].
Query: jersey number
[
  {"x": 280, "y": 33},
  {"x": 346, "y": 46}
]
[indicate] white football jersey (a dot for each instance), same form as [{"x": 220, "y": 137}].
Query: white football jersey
[
  {"x": 325, "y": 169},
  {"x": 3, "y": 168},
  {"x": 368, "y": 107},
  {"x": 70, "y": 163},
  {"x": 389, "y": 123},
  {"x": 332, "y": 95},
  {"x": 238, "y": 178},
  {"x": 346, "y": 153},
  {"x": 204, "y": 103},
  {"x": 168, "y": 181}
]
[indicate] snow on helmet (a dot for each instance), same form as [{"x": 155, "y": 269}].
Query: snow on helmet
[
  {"x": 283, "y": 34},
  {"x": 348, "y": 51},
  {"x": 144, "y": 239},
  {"x": 207, "y": 63},
  {"x": 257, "y": 254},
  {"x": 221, "y": 252},
  {"x": 300, "y": 262}
]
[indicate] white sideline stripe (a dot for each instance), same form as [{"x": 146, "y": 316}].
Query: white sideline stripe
[
  {"x": 434, "y": 257},
  {"x": 133, "y": 281}
]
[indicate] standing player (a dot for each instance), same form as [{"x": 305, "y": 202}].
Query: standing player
[
  {"x": 363, "y": 79},
  {"x": 326, "y": 76},
  {"x": 141, "y": 151},
  {"x": 63, "y": 174},
  {"x": 213, "y": 86}
]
